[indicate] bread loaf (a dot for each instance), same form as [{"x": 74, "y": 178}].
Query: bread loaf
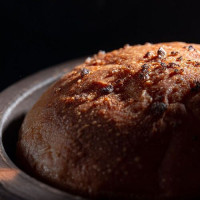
[{"x": 122, "y": 125}]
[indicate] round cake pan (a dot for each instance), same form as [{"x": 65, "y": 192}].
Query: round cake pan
[{"x": 14, "y": 104}]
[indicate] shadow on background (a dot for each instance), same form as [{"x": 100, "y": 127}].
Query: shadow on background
[{"x": 38, "y": 34}]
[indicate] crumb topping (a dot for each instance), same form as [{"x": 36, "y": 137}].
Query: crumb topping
[
  {"x": 158, "y": 108},
  {"x": 190, "y": 48},
  {"x": 161, "y": 52},
  {"x": 108, "y": 89},
  {"x": 174, "y": 53},
  {"x": 84, "y": 72},
  {"x": 196, "y": 87}
]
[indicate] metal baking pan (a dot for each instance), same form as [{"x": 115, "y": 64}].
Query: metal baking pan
[{"x": 14, "y": 104}]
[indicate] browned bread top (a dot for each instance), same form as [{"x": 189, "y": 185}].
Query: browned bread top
[{"x": 122, "y": 124}]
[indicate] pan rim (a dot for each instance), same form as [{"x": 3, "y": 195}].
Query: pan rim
[{"x": 9, "y": 99}]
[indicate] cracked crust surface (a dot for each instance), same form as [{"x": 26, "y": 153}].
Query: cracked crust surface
[{"x": 124, "y": 124}]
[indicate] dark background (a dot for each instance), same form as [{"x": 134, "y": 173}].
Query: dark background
[{"x": 38, "y": 34}]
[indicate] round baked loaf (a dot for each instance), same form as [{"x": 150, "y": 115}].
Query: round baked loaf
[{"x": 123, "y": 125}]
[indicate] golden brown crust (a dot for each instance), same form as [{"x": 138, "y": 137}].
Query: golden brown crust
[{"x": 123, "y": 124}]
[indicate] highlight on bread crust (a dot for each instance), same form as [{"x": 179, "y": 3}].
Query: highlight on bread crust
[{"x": 124, "y": 124}]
